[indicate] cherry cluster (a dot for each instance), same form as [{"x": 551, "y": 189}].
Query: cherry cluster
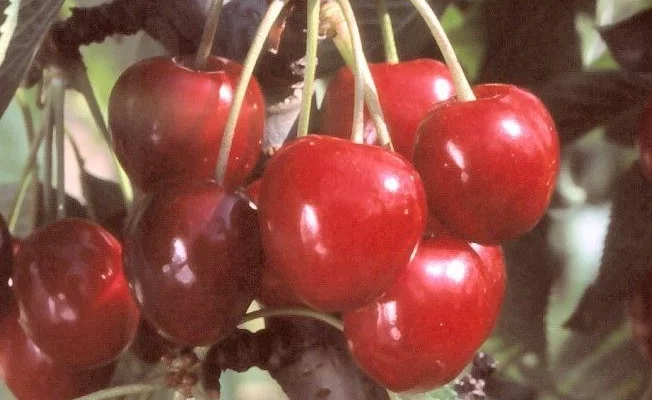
[{"x": 403, "y": 245}]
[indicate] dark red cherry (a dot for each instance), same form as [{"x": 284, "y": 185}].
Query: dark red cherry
[
  {"x": 489, "y": 166},
  {"x": 339, "y": 220},
  {"x": 167, "y": 121},
  {"x": 73, "y": 297},
  {"x": 645, "y": 140},
  {"x": 32, "y": 375},
  {"x": 193, "y": 258},
  {"x": 406, "y": 91},
  {"x": 428, "y": 325}
]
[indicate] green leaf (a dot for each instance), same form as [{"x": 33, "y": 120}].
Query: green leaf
[{"x": 34, "y": 19}]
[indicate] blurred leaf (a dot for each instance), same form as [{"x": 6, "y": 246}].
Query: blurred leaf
[
  {"x": 629, "y": 41},
  {"x": 502, "y": 389},
  {"x": 581, "y": 101},
  {"x": 74, "y": 209},
  {"x": 105, "y": 202},
  {"x": 531, "y": 272},
  {"x": 34, "y": 20},
  {"x": 26, "y": 219},
  {"x": 529, "y": 41},
  {"x": 601, "y": 366},
  {"x": 627, "y": 255}
]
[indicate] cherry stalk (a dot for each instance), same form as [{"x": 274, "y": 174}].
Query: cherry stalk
[
  {"x": 312, "y": 37},
  {"x": 274, "y": 10}
]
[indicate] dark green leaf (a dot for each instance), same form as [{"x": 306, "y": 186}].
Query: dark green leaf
[
  {"x": 74, "y": 209},
  {"x": 627, "y": 255},
  {"x": 629, "y": 41},
  {"x": 582, "y": 101},
  {"x": 105, "y": 202},
  {"x": 529, "y": 41},
  {"x": 34, "y": 20},
  {"x": 531, "y": 272}
]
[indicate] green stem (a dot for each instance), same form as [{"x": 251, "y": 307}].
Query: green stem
[
  {"x": 28, "y": 172},
  {"x": 387, "y": 30},
  {"x": 255, "y": 49},
  {"x": 120, "y": 391},
  {"x": 59, "y": 94},
  {"x": 84, "y": 86},
  {"x": 462, "y": 86},
  {"x": 48, "y": 200},
  {"x": 208, "y": 35},
  {"x": 26, "y": 113},
  {"x": 312, "y": 36},
  {"x": 371, "y": 94},
  {"x": 294, "y": 312}
]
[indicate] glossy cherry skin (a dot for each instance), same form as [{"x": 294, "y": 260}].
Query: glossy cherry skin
[
  {"x": 274, "y": 291},
  {"x": 406, "y": 91},
  {"x": 493, "y": 262},
  {"x": 428, "y": 325},
  {"x": 6, "y": 267},
  {"x": 167, "y": 121},
  {"x": 645, "y": 140},
  {"x": 193, "y": 257},
  {"x": 72, "y": 293},
  {"x": 493, "y": 265},
  {"x": 32, "y": 375},
  {"x": 339, "y": 220},
  {"x": 489, "y": 166}
]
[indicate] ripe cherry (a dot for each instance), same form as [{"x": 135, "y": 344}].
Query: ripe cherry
[
  {"x": 406, "y": 91},
  {"x": 193, "y": 258},
  {"x": 32, "y": 375},
  {"x": 274, "y": 292},
  {"x": 74, "y": 300},
  {"x": 493, "y": 263},
  {"x": 489, "y": 166},
  {"x": 428, "y": 325},
  {"x": 339, "y": 220},
  {"x": 167, "y": 121},
  {"x": 645, "y": 140}
]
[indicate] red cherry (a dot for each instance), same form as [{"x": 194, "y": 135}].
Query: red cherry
[
  {"x": 339, "y": 220},
  {"x": 493, "y": 262},
  {"x": 74, "y": 300},
  {"x": 428, "y": 325},
  {"x": 193, "y": 258},
  {"x": 31, "y": 375},
  {"x": 274, "y": 292},
  {"x": 489, "y": 166},
  {"x": 406, "y": 91},
  {"x": 645, "y": 140},
  {"x": 167, "y": 121}
]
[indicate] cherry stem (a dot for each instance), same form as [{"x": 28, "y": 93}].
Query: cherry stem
[
  {"x": 294, "y": 312},
  {"x": 120, "y": 391},
  {"x": 208, "y": 35},
  {"x": 462, "y": 86},
  {"x": 312, "y": 37},
  {"x": 47, "y": 179},
  {"x": 26, "y": 112},
  {"x": 59, "y": 94},
  {"x": 348, "y": 41},
  {"x": 84, "y": 86},
  {"x": 255, "y": 49},
  {"x": 28, "y": 171},
  {"x": 387, "y": 30}
]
